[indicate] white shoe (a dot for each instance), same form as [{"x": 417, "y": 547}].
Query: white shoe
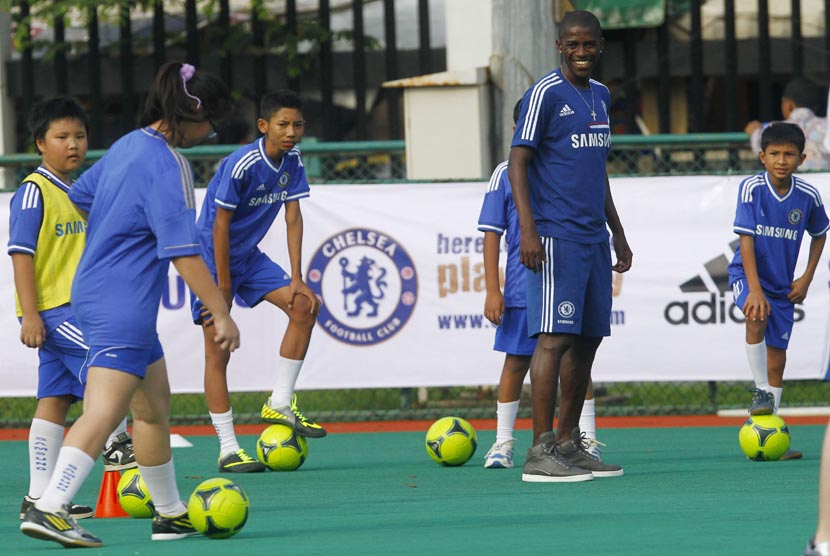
[
  {"x": 820, "y": 549},
  {"x": 500, "y": 456},
  {"x": 592, "y": 446}
]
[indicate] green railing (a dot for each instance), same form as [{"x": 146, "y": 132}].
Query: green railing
[
  {"x": 351, "y": 161},
  {"x": 384, "y": 161}
]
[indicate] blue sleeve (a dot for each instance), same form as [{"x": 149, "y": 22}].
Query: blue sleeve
[
  {"x": 534, "y": 119},
  {"x": 171, "y": 213},
  {"x": 493, "y": 216},
  {"x": 25, "y": 219},
  {"x": 817, "y": 222},
  {"x": 83, "y": 190},
  {"x": 298, "y": 188},
  {"x": 744, "y": 213},
  {"x": 228, "y": 187}
]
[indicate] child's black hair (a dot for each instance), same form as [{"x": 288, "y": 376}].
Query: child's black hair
[
  {"x": 780, "y": 133},
  {"x": 51, "y": 110},
  {"x": 275, "y": 101}
]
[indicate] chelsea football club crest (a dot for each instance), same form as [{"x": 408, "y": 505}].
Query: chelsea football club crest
[
  {"x": 367, "y": 283},
  {"x": 794, "y": 217},
  {"x": 283, "y": 179}
]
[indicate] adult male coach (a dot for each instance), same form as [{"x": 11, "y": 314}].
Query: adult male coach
[{"x": 563, "y": 200}]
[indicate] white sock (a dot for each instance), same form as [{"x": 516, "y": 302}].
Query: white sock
[
  {"x": 506, "y": 420},
  {"x": 122, "y": 427},
  {"x": 588, "y": 419},
  {"x": 45, "y": 441},
  {"x": 287, "y": 372},
  {"x": 223, "y": 423},
  {"x": 71, "y": 470},
  {"x": 161, "y": 484},
  {"x": 757, "y": 355},
  {"x": 776, "y": 393}
]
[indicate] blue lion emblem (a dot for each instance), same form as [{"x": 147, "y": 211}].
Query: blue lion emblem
[{"x": 360, "y": 283}]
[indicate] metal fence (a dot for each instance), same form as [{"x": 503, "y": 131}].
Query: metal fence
[
  {"x": 368, "y": 162},
  {"x": 385, "y": 161}
]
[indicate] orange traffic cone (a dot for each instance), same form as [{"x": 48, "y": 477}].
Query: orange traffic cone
[{"x": 108, "y": 505}]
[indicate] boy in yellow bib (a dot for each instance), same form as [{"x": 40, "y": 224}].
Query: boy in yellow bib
[{"x": 46, "y": 239}]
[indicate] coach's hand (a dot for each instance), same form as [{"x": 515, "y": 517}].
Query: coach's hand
[
  {"x": 623, "y": 252},
  {"x": 531, "y": 253}
]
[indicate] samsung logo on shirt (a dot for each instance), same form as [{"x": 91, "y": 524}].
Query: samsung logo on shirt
[
  {"x": 268, "y": 199},
  {"x": 777, "y": 232},
  {"x": 580, "y": 140},
  {"x": 70, "y": 228}
]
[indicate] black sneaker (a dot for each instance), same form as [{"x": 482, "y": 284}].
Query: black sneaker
[
  {"x": 172, "y": 528},
  {"x": 75, "y": 510},
  {"x": 575, "y": 451},
  {"x": 119, "y": 455},
  {"x": 545, "y": 464},
  {"x": 59, "y": 527},
  {"x": 763, "y": 402},
  {"x": 240, "y": 462}
]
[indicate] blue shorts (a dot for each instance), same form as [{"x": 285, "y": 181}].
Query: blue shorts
[
  {"x": 511, "y": 334},
  {"x": 258, "y": 279},
  {"x": 62, "y": 356},
  {"x": 781, "y": 315},
  {"x": 130, "y": 360},
  {"x": 572, "y": 292}
]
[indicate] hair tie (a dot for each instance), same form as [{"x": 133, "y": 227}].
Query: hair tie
[{"x": 186, "y": 72}]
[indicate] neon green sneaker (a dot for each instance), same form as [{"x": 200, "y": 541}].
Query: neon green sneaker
[
  {"x": 290, "y": 415},
  {"x": 240, "y": 462}
]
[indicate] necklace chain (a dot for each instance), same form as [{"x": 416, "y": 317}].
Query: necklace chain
[{"x": 579, "y": 94}]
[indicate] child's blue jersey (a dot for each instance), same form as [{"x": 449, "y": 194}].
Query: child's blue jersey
[
  {"x": 249, "y": 184},
  {"x": 142, "y": 213},
  {"x": 567, "y": 175},
  {"x": 498, "y": 214},
  {"x": 777, "y": 225}
]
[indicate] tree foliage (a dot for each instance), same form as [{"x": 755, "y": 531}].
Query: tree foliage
[{"x": 299, "y": 48}]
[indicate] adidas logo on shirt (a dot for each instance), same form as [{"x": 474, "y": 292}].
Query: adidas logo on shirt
[
  {"x": 261, "y": 187},
  {"x": 566, "y": 111}
]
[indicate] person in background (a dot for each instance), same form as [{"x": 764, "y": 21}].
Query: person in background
[{"x": 798, "y": 105}]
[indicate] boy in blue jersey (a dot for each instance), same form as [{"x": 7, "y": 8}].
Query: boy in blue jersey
[
  {"x": 46, "y": 240},
  {"x": 774, "y": 210},
  {"x": 508, "y": 311},
  {"x": 141, "y": 217},
  {"x": 564, "y": 205},
  {"x": 242, "y": 201}
]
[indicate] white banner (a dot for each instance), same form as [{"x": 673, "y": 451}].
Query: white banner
[{"x": 399, "y": 268}]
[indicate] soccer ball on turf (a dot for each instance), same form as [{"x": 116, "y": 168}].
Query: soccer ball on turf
[
  {"x": 451, "y": 441},
  {"x": 764, "y": 437},
  {"x": 218, "y": 508},
  {"x": 133, "y": 494},
  {"x": 280, "y": 448}
]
